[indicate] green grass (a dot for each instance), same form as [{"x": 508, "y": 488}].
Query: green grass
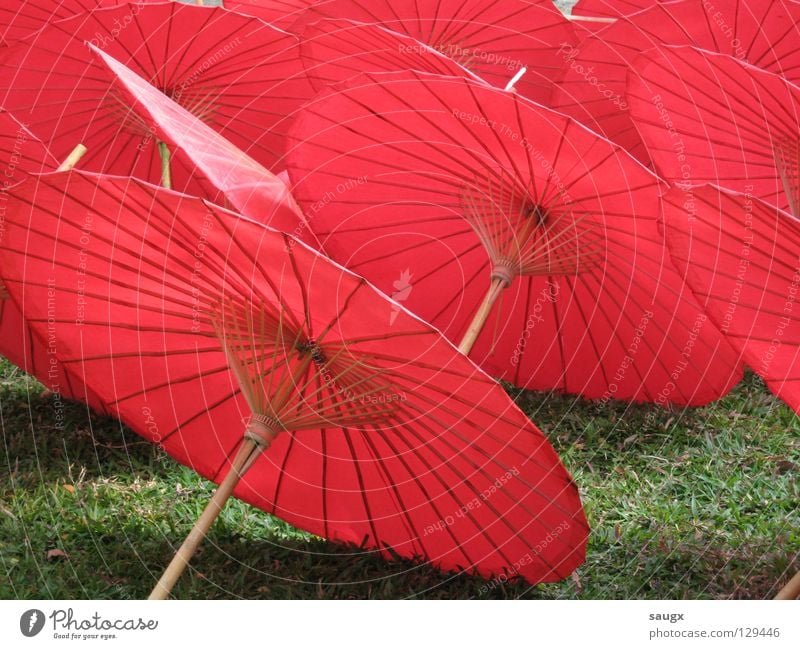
[{"x": 696, "y": 503}]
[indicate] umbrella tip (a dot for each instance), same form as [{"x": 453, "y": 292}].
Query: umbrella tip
[{"x": 510, "y": 85}]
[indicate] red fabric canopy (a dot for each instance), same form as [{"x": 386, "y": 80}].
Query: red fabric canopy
[
  {"x": 740, "y": 256},
  {"x": 431, "y": 187},
  {"x": 610, "y": 8},
  {"x": 22, "y": 153},
  {"x": 24, "y": 17},
  {"x": 194, "y": 321},
  {"x": 492, "y": 39},
  {"x": 337, "y": 50},
  {"x": 594, "y": 83},
  {"x": 241, "y": 76},
  {"x": 710, "y": 118}
]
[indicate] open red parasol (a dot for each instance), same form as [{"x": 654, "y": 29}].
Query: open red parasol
[
  {"x": 201, "y": 57},
  {"x": 710, "y": 118},
  {"x": 594, "y": 83},
  {"x": 226, "y": 173},
  {"x": 610, "y": 8},
  {"x": 280, "y": 13},
  {"x": 741, "y": 257},
  {"x": 22, "y": 153},
  {"x": 496, "y": 40},
  {"x": 239, "y": 349},
  {"x": 337, "y": 50},
  {"x": 23, "y": 18},
  {"x": 437, "y": 189}
]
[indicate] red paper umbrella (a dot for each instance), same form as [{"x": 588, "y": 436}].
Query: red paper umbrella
[
  {"x": 226, "y": 341},
  {"x": 494, "y": 40},
  {"x": 229, "y": 173},
  {"x": 710, "y": 118},
  {"x": 337, "y": 50},
  {"x": 610, "y": 8},
  {"x": 22, "y": 18},
  {"x": 22, "y": 153},
  {"x": 741, "y": 258},
  {"x": 280, "y": 13},
  {"x": 436, "y": 189},
  {"x": 238, "y": 74},
  {"x": 593, "y": 88}
]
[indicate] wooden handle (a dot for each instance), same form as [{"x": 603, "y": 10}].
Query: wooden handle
[
  {"x": 73, "y": 158},
  {"x": 790, "y": 590},
  {"x": 481, "y": 315},
  {"x": 244, "y": 459},
  {"x": 166, "y": 172}
]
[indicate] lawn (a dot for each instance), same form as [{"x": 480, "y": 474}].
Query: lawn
[{"x": 699, "y": 503}]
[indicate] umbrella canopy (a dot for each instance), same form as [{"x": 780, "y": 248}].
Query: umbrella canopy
[
  {"x": 337, "y": 50},
  {"x": 215, "y": 336},
  {"x": 710, "y": 118},
  {"x": 740, "y": 257},
  {"x": 610, "y": 8},
  {"x": 22, "y": 153},
  {"x": 437, "y": 188},
  {"x": 280, "y": 13},
  {"x": 493, "y": 40},
  {"x": 227, "y": 173},
  {"x": 21, "y": 19},
  {"x": 201, "y": 57},
  {"x": 593, "y": 87}
]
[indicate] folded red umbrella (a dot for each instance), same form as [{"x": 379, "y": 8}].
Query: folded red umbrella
[
  {"x": 226, "y": 341},
  {"x": 493, "y": 40},
  {"x": 740, "y": 256},
  {"x": 238, "y": 74},
  {"x": 437, "y": 189},
  {"x": 710, "y": 118},
  {"x": 21, "y": 19},
  {"x": 336, "y": 50},
  {"x": 22, "y": 153},
  {"x": 227, "y": 173},
  {"x": 593, "y": 87}
]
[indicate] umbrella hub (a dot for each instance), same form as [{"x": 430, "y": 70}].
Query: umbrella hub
[
  {"x": 505, "y": 270},
  {"x": 262, "y": 429},
  {"x": 525, "y": 236},
  {"x": 292, "y": 381},
  {"x": 312, "y": 347}
]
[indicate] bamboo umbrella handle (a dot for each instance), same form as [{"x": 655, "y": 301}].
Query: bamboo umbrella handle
[
  {"x": 166, "y": 171},
  {"x": 247, "y": 453},
  {"x": 790, "y": 590},
  {"x": 73, "y": 158},
  {"x": 481, "y": 315}
]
